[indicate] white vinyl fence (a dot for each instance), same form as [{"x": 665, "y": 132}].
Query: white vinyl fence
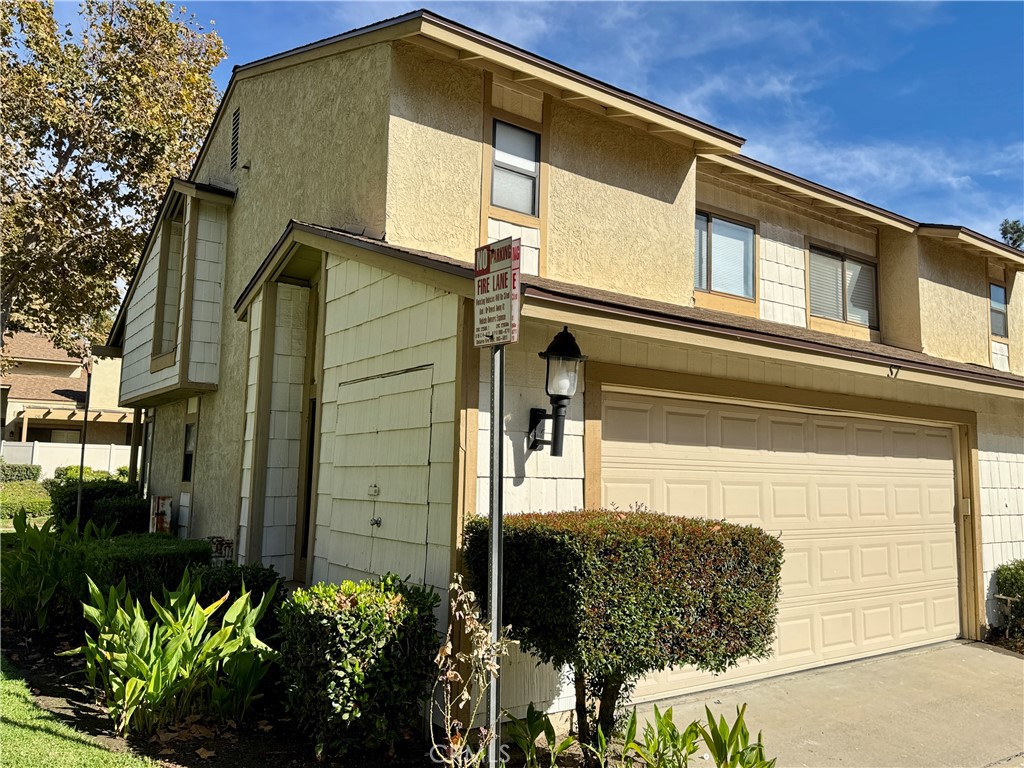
[{"x": 52, "y": 455}]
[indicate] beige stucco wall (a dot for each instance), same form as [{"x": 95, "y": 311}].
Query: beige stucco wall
[
  {"x": 168, "y": 444},
  {"x": 954, "y": 303},
  {"x": 1015, "y": 310},
  {"x": 899, "y": 301},
  {"x": 315, "y": 139},
  {"x": 620, "y": 211},
  {"x": 434, "y": 154}
]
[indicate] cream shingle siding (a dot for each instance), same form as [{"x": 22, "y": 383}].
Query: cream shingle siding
[
  {"x": 782, "y": 269},
  {"x": 402, "y": 332},
  {"x": 1000, "y": 356},
  {"x": 248, "y": 436},
  {"x": 529, "y": 237},
  {"x": 204, "y": 349},
  {"x": 1001, "y": 475},
  {"x": 285, "y": 427},
  {"x": 138, "y": 335}
]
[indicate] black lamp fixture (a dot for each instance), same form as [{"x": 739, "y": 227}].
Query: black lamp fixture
[{"x": 563, "y": 357}]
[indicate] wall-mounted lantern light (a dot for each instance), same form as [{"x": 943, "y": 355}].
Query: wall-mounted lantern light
[{"x": 563, "y": 357}]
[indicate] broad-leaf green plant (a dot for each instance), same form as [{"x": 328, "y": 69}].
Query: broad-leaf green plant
[
  {"x": 525, "y": 733},
  {"x": 730, "y": 745},
  {"x": 160, "y": 670},
  {"x": 40, "y": 570},
  {"x": 662, "y": 744}
]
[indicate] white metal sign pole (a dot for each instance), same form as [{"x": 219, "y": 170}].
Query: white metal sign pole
[
  {"x": 496, "y": 323},
  {"x": 497, "y": 510}
]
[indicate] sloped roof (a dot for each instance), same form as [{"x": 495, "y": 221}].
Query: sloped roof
[
  {"x": 706, "y": 320},
  {"x": 55, "y": 389},
  {"x": 32, "y": 346}
]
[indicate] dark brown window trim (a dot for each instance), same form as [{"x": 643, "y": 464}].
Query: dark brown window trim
[
  {"x": 844, "y": 257},
  {"x": 752, "y": 224}
]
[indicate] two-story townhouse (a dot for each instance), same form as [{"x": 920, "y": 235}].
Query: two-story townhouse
[{"x": 761, "y": 348}]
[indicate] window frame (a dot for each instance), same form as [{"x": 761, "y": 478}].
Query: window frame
[
  {"x": 1005, "y": 311},
  {"x": 523, "y": 125},
  {"x": 843, "y": 256},
  {"x": 191, "y": 419},
  {"x": 720, "y": 299},
  {"x": 162, "y": 357}
]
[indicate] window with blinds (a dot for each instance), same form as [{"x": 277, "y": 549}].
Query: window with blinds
[
  {"x": 723, "y": 256},
  {"x": 516, "y": 171},
  {"x": 843, "y": 289},
  {"x": 997, "y": 310}
]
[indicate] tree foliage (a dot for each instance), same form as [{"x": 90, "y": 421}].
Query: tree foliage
[
  {"x": 617, "y": 596},
  {"x": 1012, "y": 233},
  {"x": 94, "y": 127}
]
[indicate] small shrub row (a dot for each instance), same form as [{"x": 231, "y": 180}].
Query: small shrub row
[
  {"x": 23, "y": 494},
  {"x": 1010, "y": 582},
  {"x": 147, "y": 562},
  {"x": 619, "y": 595},
  {"x": 43, "y": 570},
  {"x": 161, "y": 670},
  {"x": 105, "y": 501},
  {"x": 12, "y": 473},
  {"x": 356, "y": 660}
]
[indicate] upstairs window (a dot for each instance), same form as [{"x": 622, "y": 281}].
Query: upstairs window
[
  {"x": 997, "y": 310},
  {"x": 516, "y": 173},
  {"x": 843, "y": 289},
  {"x": 724, "y": 256}
]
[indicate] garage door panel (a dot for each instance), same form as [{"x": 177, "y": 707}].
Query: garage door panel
[{"x": 864, "y": 508}]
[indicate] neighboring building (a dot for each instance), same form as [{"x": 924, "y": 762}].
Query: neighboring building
[
  {"x": 761, "y": 348},
  {"x": 44, "y": 396}
]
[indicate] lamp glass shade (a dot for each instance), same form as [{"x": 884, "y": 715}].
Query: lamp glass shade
[{"x": 562, "y": 376}]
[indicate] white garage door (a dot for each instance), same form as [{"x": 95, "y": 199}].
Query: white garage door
[{"x": 865, "y": 509}]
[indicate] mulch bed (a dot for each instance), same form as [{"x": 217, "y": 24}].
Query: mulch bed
[{"x": 268, "y": 737}]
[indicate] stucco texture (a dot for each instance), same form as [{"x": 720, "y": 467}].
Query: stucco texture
[
  {"x": 434, "y": 154},
  {"x": 314, "y": 137},
  {"x": 1015, "y": 310},
  {"x": 954, "y": 303},
  {"x": 899, "y": 300},
  {"x": 168, "y": 445},
  {"x": 620, "y": 208}
]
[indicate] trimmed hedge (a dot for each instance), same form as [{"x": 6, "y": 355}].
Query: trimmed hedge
[
  {"x": 147, "y": 562},
  {"x": 105, "y": 501},
  {"x": 23, "y": 494},
  {"x": 619, "y": 595},
  {"x": 357, "y": 661},
  {"x": 1010, "y": 582},
  {"x": 13, "y": 473},
  {"x": 70, "y": 473},
  {"x": 258, "y": 580}
]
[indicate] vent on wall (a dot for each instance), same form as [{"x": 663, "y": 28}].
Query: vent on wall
[{"x": 235, "y": 120}]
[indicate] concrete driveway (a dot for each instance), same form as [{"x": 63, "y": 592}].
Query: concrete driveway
[{"x": 952, "y": 704}]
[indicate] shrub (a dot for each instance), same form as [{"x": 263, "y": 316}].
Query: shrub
[
  {"x": 105, "y": 501},
  {"x": 40, "y": 570},
  {"x": 356, "y": 659},
  {"x": 23, "y": 494},
  {"x": 70, "y": 473},
  {"x": 174, "y": 665},
  {"x": 617, "y": 596},
  {"x": 147, "y": 562},
  {"x": 1010, "y": 582},
  {"x": 257, "y": 579},
  {"x": 12, "y": 473}
]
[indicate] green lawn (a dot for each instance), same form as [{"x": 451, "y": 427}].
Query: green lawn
[{"x": 32, "y": 738}]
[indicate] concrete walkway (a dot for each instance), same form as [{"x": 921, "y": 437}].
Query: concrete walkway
[{"x": 952, "y": 704}]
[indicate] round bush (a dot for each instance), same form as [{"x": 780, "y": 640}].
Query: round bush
[{"x": 357, "y": 660}]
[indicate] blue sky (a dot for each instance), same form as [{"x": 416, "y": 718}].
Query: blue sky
[{"x": 917, "y": 107}]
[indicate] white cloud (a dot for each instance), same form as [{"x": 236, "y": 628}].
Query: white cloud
[{"x": 933, "y": 183}]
